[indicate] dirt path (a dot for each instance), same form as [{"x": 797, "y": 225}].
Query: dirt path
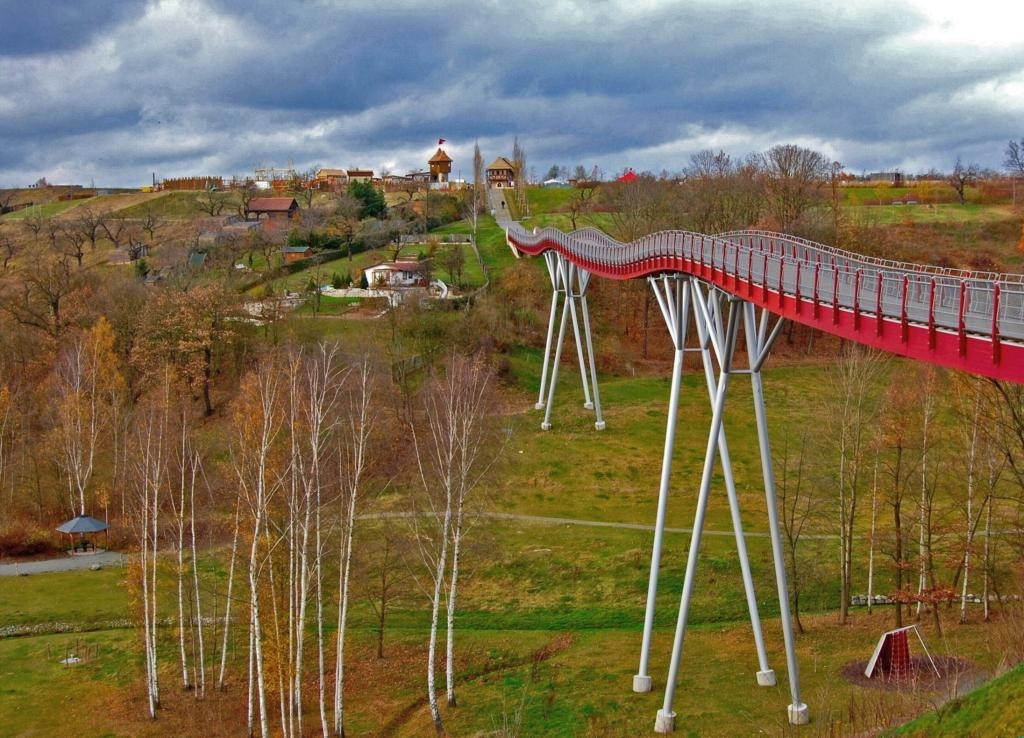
[{"x": 65, "y": 563}]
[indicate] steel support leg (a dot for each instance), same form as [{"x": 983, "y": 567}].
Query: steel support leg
[
  {"x": 665, "y": 720},
  {"x": 573, "y": 296},
  {"x": 570, "y": 282},
  {"x": 765, "y": 675},
  {"x": 551, "y": 260},
  {"x": 546, "y": 425},
  {"x": 675, "y": 308},
  {"x": 598, "y": 417},
  {"x": 756, "y": 350}
]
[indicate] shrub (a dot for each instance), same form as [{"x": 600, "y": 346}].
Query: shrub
[{"x": 22, "y": 541}]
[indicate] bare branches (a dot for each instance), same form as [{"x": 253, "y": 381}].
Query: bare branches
[
  {"x": 1015, "y": 157},
  {"x": 962, "y": 177}
]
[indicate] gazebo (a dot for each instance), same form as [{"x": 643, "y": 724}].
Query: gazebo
[{"x": 82, "y": 525}]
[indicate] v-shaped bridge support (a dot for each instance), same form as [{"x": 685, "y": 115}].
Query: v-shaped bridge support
[
  {"x": 568, "y": 286},
  {"x": 717, "y": 317}
]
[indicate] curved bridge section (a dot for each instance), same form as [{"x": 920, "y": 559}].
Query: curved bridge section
[
  {"x": 972, "y": 321},
  {"x": 746, "y": 284}
]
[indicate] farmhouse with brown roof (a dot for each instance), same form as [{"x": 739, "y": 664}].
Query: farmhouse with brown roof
[
  {"x": 278, "y": 210},
  {"x": 501, "y": 173}
]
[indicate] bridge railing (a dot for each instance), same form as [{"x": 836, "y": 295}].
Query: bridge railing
[{"x": 975, "y": 302}]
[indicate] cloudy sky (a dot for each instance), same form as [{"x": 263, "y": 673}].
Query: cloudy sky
[{"x": 112, "y": 91}]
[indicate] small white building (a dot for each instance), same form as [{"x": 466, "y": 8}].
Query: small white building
[{"x": 401, "y": 273}]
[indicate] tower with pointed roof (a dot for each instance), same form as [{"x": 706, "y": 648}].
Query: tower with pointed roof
[{"x": 440, "y": 166}]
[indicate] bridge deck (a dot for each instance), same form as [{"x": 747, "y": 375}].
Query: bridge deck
[{"x": 972, "y": 321}]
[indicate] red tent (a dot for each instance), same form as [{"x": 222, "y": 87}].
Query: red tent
[{"x": 629, "y": 176}]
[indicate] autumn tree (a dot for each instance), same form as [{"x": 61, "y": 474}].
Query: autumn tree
[
  {"x": 479, "y": 185},
  {"x": 519, "y": 175},
  {"x": 982, "y": 468},
  {"x": 792, "y": 178},
  {"x": 148, "y": 479},
  {"x": 258, "y": 420},
  {"x": 1015, "y": 157},
  {"x": 798, "y": 506},
  {"x": 720, "y": 194},
  {"x": 962, "y": 177},
  {"x": 581, "y": 201},
  {"x": 354, "y": 464},
  {"x": 852, "y": 409},
  {"x": 9, "y": 247},
  {"x": 151, "y": 222},
  {"x": 88, "y": 386},
  {"x": 190, "y": 330},
  {"x": 89, "y": 224},
  {"x": 344, "y": 222},
  {"x": 450, "y": 460},
  {"x": 901, "y": 446},
  {"x": 212, "y": 202}
]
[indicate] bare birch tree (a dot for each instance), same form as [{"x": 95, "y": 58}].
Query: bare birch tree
[
  {"x": 258, "y": 422},
  {"x": 448, "y": 460},
  {"x": 149, "y": 479},
  {"x": 853, "y": 409},
  {"x": 228, "y": 598},
  {"x": 88, "y": 385},
  {"x": 353, "y": 464}
]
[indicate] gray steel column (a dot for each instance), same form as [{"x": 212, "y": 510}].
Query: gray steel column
[
  {"x": 546, "y": 424},
  {"x": 551, "y": 259},
  {"x": 599, "y": 419},
  {"x": 675, "y": 309},
  {"x": 765, "y": 674},
  {"x": 665, "y": 719},
  {"x": 572, "y": 295},
  {"x": 757, "y": 350}
]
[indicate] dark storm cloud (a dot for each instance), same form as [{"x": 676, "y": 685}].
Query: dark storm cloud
[
  {"x": 189, "y": 86},
  {"x": 45, "y": 26}
]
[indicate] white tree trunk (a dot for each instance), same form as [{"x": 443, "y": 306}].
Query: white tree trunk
[
  {"x": 257, "y": 628},
  {"x": 435, "y": 607},
  {"x": 227, "y": 603},
  {"x": 923, "y": 518},
  {"x": 179, "y": 514},
  {"x": 871, "y": 535},
  {"x": 988, "y": 560},
  {"x": 201, "y": 660},
  {"x": 450, "y": 604},
  {"x": 357, "y": 427}
]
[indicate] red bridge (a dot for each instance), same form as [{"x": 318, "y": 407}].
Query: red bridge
[
  {"x": 963, "y": 320},
  {"x": 973, "y": 321}
]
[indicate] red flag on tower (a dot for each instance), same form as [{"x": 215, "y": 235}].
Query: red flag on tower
[{"x": 440, "y": 142}]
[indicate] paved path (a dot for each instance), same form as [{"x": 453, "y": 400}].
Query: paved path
[
  {"x": 65, "y": 563},
  {"x": 545, "y": 520}
]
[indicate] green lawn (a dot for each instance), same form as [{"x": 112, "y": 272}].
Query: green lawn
[
  {"x": 45, "y": 210},
  {"x": 993, "y": 709},
  {"x": 171, "y": 204},
  {"x": 549, "y": 199},
  {"x": 941, "y": 213}
]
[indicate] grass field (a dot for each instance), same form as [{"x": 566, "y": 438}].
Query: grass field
[
  {"x": 549, "y": 625},
  {"x": 45, "y": 210}
]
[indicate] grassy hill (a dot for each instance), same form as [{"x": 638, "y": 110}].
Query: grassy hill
[{"x": 994, "y": 709}]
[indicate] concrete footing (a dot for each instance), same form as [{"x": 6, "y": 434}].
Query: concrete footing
[
  {"x": 539, "y": 406},
  {"x": 665, "y": 722},
  {"x": 545, "y": 426},
  {"x": 798, "y": 714},
  {"x": 599, "y": 425},
  {"x": 588, "y": 406},
  {"x": 766, "y": 678},
  {"x": 641, "y": 683}
]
